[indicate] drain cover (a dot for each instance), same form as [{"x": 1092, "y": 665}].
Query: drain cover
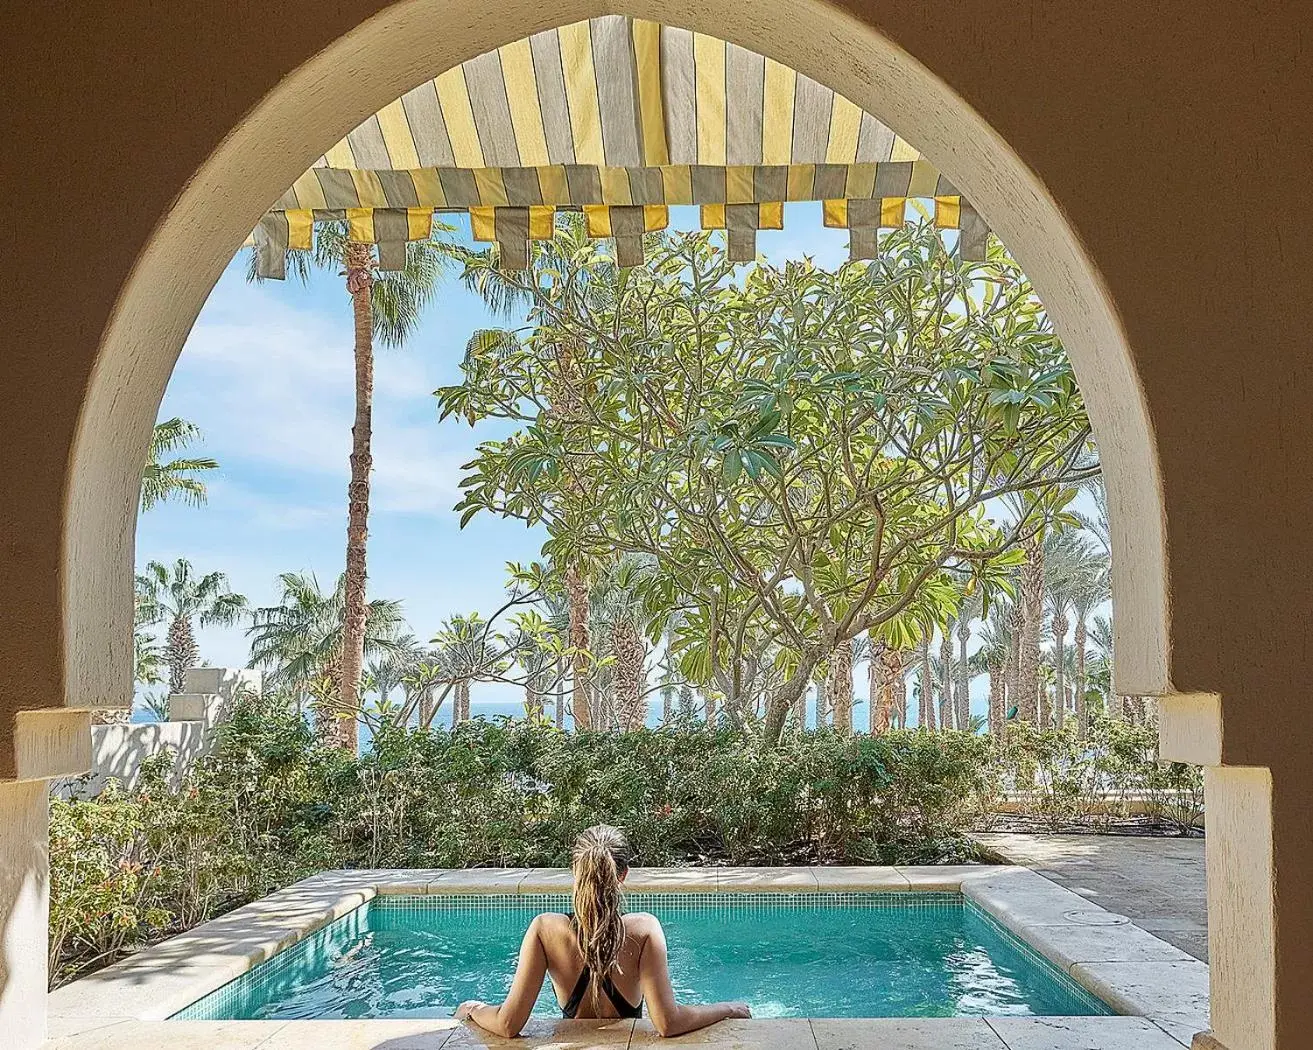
[{"x": 1092, "y": 917}]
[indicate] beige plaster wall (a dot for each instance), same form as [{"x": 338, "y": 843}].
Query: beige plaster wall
[
  {"x": 1097, "y": 101},
  {"x": 1146, "y": 162},
  {"x": 24, "y": 909}
]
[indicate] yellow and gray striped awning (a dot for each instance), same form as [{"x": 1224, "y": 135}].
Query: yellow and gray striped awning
[{"x": 620, "y": 118}]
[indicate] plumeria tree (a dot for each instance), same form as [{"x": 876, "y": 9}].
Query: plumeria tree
[{"x": 803, "y": 455}]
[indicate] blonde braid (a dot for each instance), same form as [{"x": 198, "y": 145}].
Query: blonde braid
[{"x": 601, "y": 858}]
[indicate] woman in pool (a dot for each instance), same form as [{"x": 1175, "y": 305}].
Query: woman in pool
[{"x": 602, "y": 962}]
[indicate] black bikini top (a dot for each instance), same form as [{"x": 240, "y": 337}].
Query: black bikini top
[{"x": 623, "y": 1007}]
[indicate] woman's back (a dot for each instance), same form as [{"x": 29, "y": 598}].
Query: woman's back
[
  {"x": 602, "y": 963},
  {"x": 565, "y": 966}
]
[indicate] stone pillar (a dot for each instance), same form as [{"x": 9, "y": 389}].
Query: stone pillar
[
  {"x": 1260, "y": 855},
  {"x": 1242, "y": 910},
  {"x": 24, "y": 910}
]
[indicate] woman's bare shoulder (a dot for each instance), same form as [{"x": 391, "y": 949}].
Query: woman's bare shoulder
[
  {"x": 552, "y": 923},
  {"x": 641, "y": 923}
]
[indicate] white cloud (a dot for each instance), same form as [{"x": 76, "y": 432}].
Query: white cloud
[{"x": 273, "y": 386}]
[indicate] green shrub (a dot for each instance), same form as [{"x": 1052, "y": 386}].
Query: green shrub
[
  {"x": 1114, "y": 774},
  {"x": 272, "y": 805}
]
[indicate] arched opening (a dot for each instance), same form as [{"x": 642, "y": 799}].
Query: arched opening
[
  {"x": 388, "y": 55},
  {"x": 256, "y": 163}
]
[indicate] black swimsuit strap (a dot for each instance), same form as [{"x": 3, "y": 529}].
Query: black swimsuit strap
[{"x": 623, "y": 1007}]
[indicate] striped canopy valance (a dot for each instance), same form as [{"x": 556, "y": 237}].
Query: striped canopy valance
[{"x": 619, "y": 118}]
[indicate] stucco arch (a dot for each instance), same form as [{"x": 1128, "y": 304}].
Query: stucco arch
[{"x": 387, "y": 54}]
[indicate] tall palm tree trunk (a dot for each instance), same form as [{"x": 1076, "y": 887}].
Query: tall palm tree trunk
[
  {"x": 359, "y": 266},
  {"x": 181, "y": 651},
  {"x": 925, "y": 714},
  {"x": 1011, "y": 681},
  {"x": 1082, "y": 711},
  {"x": 627, "y": 644},
  {"x": 581, "y": 695},
  {"x": 900, "y": 696},
  {"x": 821, "y": 680},
  {"x": 1060, "y": 626},
  {"x": 874, "y": 679},
  {"x": 891, "y": 673},
  {"x": 533, "y": 703},
  {"x": 946, "y": 675},
  {"x": 963, "y": 697},
  {"x": 460, "y": 709},
  {"x": 1028, "y": 698},
  {"x": 560, "y": 693},
  {"x": 997, "y": 700},
  {"x": 685, "y": 701},
  {"x": 841, "y": 686}
]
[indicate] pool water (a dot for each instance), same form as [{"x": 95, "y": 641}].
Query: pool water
[{"x": 786, "y": 955}]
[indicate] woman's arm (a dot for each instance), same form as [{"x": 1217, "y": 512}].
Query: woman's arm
[
  {"x": 668, "y": 1016},
  {"x": 507, "y": 1019}
]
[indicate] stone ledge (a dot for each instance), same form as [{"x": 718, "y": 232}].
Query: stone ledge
[
  {"x": 50, "y": 743},
  {"x": 1130, "y": 969}
]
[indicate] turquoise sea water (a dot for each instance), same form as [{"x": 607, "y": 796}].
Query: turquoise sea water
[{"x": 787, "y": 955}]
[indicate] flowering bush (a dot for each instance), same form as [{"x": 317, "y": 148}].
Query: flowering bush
[{"x": 1113, "y": 774}]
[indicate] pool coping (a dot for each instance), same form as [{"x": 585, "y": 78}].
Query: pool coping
[{"x": 1134, "y": 972}]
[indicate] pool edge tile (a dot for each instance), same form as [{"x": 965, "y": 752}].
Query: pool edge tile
[
  {"x": 766, "y": 880},
  {"x": 1121, "y": 1032},
  {"x": 905, "y": 1033},
  {"x": 860, "y": 879}
]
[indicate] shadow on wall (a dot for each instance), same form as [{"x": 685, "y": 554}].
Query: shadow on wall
[
  {"x": 118, "y": 751},
  {"x": 24, "y": 893}
]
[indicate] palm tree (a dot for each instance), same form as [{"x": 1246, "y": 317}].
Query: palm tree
[
  {"x": 299, "y": 642},
  {"x": 968, "y": 611},
  {"x": 466, "y": 653},
  {"x": 861, "y": 654},
  {"x": 1102, "y": 670},
  {"x": 617, "y": 608},
  {"x": 161, "y": 479},
  {"x": 157, "y": 704},
  {"x": 1092, "y": 588},
  {"x": 387, "y": 670},
  {"x": 875, "y": 679},
  {"x": 559, "y": 269},
  {"x": 1097, "y": 523},
  {"x": 147, "y": 659},
  {"x": 992, "y": 658},
  {"x": 1067, "y": 557},
  {"x": 841, "y": 687},
  {"x": 926, "y": 697},
  {"x": 386, "y": 306},
  {"x": 179, "y": 596},
  {"x": 1031, "y": 606},
  {"x": 946, "y": 709}
]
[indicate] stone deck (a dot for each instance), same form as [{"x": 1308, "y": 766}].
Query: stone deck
[
  {"x": 126, "y": 1006},
  {"x": 1158, "y": 883}
]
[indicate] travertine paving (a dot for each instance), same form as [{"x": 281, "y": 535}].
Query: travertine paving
[
  {"x": 1158, "y": 883},
  {"x": 124, "y": 1007}
]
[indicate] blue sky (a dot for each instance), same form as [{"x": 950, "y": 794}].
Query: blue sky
[{"x": 267, "y": 374}]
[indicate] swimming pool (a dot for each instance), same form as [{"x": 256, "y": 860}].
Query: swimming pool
[{"x": 787, "y": 955}]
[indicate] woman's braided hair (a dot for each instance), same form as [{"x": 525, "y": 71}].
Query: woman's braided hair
[{"x": 601, "y": 859}]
